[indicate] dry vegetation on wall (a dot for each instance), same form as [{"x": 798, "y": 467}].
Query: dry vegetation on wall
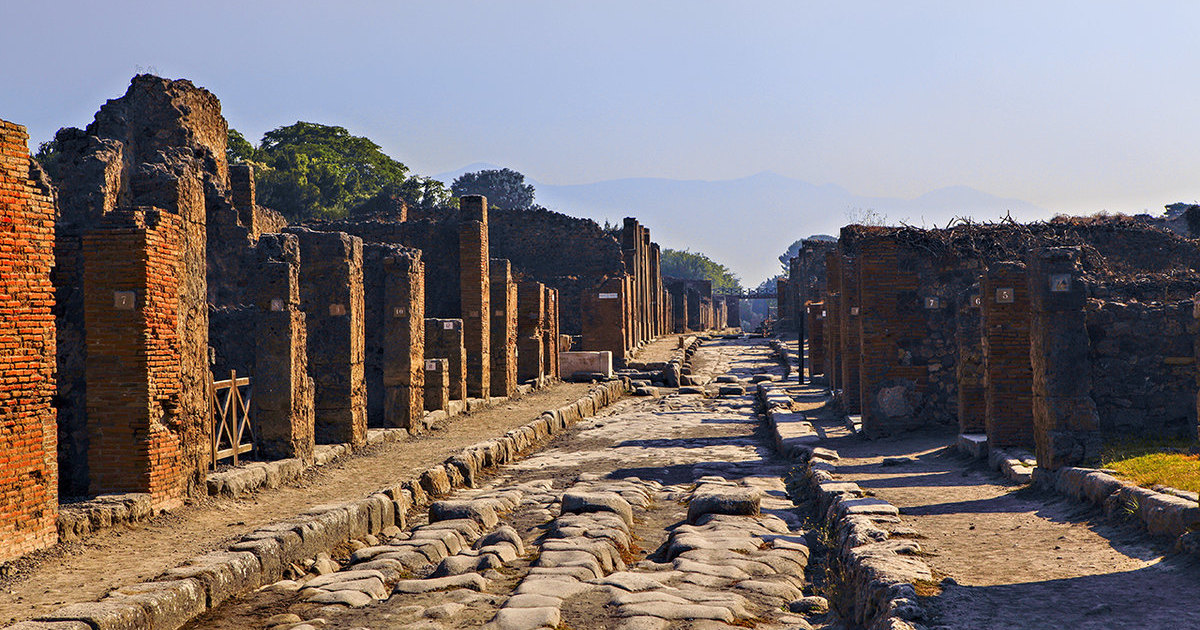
[{"x": 1122, "y": 256}]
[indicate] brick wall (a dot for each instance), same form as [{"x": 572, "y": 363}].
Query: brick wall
[
  {"x": 550, "y": 334},
  {"x": 437, "y": 384},
  {"x": 133, "y": 268},
  {"x": 331, "y": 296},
  {"x": 475, "y": 294},
  {"x": 444, "y": 340},
  {"x": 28, "y": 441},
  {"x": 1008, "y": 373}
]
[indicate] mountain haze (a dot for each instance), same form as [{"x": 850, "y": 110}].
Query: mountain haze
[{"x": 745, "y": 223}]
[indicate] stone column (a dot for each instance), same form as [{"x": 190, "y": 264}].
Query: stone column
[
  {"x": 833, "y": 320},
  {"x": 331, "y": 295},
  {"x": 816, "y": 337},
  {"x": 504, "y": 328},
  {"x": 550, "y": 334},
  {"x": 403, "y": 340},
  {"x": 282, "y": 405},
  {"x": 444, "y": 340},
  {"x": 473, "y": 286},
  {"x": 1065, "y": 420}
]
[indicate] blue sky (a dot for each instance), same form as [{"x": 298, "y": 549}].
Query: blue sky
[{"x": 1073, "y": 106}]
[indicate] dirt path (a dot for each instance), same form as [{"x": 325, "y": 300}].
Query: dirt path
[
  {"x": 127, "y": 555},
  {"x": 1017, "y": 557}
]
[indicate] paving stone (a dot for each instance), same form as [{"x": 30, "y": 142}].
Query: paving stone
[
  {"x": 532, "y": 600},
  {"x": 353, "y": 599},
  {"x": 631, "y": 581},
  {"x": 552, "y": 586},
  {"x": 665, "y": 610},
  {"x": 584, "y": 502},
  {"x": 473, "y": 581},
  {"x": 480, "y": 511},
  {"x": 281, "y": 619},
  {"x": 643, "y": 622},
  {"x": 809, "y": 605},
  {"x": 444, "y": 611},
  {"x": 525, "y": 618},
  {"x": 504, "y": 533},
  {"x": 731, "y": 501}
]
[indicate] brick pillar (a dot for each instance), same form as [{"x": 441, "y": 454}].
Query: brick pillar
[
  {"x": 695, "y": 318},
  {"x": 833, "y": 320},
  {"x": 437, "y": 384},
  {"x": 1008, "y": 374},
  {"x": 331, "y": 295},
  {"x": 851, "y": 337},
  {"x": 783, "y": 306},
  {"x": 550, "y": 334},
  {"x": 733, "y": 312},
  {"x": 656, "y": 318},
  {"x": 282, "y": 406},
  {"x": 970, "y": 369},
  {"x": 394, "y": 298},
  {"x": 473, "y": 287},
  {"x": 531, "y": 308},
  {"x": 28, "y": 439},
  {"x": 504, "y": 328},
  {"x": 889, "y": 326},
  {"x": 603, "y": 324},
  {"x": 1066, "y": 425},
  {"x": 132, "y": 268},
  {"x": 644, "y": 292},
  {"x": 444, "y": 340},
  {"x": 816, "y": 337}
]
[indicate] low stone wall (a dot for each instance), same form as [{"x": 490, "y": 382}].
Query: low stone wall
[
  {"x": 205, "y": 582},
  {"x": 1161, "y": 513}
]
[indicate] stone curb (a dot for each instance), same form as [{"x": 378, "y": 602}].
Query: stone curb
[
  {"x": 880, "y": 571},
  {"x": 204, "y": 582},
  {"x": 1161, "y": 513}
]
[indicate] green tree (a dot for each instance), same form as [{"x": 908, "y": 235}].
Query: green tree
[
  {"x": 793, "y": 250},
  {"x": 238, "y": 148},
  {"x": 690, "y": 265},
  {"x": 504, "y": 188}
]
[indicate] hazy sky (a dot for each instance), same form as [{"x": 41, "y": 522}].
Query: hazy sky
[{"x": 1074, "y": 106}]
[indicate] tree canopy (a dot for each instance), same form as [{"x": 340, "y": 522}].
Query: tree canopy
[
  {"x": 793, "y": 250},
  {"x": 504, "y": 188},
  {"x": 311, "y": 170},
  {"x": 690, "y": 265}
]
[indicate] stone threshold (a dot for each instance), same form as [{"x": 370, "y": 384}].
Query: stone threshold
[{"x": 259, "y": 558}]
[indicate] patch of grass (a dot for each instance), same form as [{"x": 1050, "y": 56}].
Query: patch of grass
[{"x": 1170, "y": 462}]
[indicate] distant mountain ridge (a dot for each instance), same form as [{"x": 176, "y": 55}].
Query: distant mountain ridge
[{"x": 746, "y": 223}]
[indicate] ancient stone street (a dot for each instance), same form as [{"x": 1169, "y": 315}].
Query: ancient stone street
[{"x": 662, "y": 511}]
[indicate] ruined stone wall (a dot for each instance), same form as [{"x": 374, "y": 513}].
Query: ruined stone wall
[
  {"x": 851, "y": 335},
  {"x": 160, "y": 145},
  {"x": 604, "y": 320},
  {"x": 566, "y": 253},
  {"x": 1143, "y": 367},
  {"x": 132, "y": 315},
  {"x": 439, "y": 245},
  {"x": 475, "y": 296},
  {"x": 29, "y": 475}
]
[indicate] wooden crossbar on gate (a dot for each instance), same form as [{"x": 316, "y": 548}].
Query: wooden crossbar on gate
[{"x": 229, "y": 410}]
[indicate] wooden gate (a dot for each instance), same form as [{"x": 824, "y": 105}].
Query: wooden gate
[{"x": 229, "y": 409}]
